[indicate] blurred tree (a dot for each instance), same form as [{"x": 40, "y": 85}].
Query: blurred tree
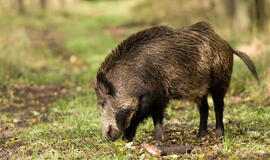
[
  {"x": 230, "y": 9},
  {"x": 21, "y": 8},
  {"x": 43, "y": 4},
  {"x": 258, "y": 14}
]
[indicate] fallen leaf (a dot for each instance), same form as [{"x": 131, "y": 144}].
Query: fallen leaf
[
  {"x": 33, "y": 120},
  {"x": 200, "y": 156},
  {"x": 119, "y": 144},
  {"x": 129, "y": 145},
  {"x": 43, "y": 108},
  {"x": 136, "y": 151},
  {"x": 247, "y": 98},
  {"x": 254, "y": 134},
  {"x": 152, "y": 149},
  {"x": 121, "y": 153},
  {"x": 73, "y": 59},
  {"x": 232, "y": 91},
  {"x": 176, "y": 107},
  {"x": 35, "y": 113},
  {"x": 10, "y": 124},
  {"x": 174, "y": 156}
]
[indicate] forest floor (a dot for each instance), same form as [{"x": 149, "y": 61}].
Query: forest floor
[{"x": 48, "y": 109}]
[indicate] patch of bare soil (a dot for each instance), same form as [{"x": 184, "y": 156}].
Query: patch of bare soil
[
  {"x": 184, "y": 137},
  {"x": 22, "y": 104}
]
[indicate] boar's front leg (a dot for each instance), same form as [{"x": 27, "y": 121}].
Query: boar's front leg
[
  {"x": 131, "y": 130},
  {"x": 157, "y": 119}
]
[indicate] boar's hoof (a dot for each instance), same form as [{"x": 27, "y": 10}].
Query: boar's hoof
[
  {"x": 127, "y": 137},
  {"x": 219, "y": 132},
  {"x": 201, "y": 134},
  {"x": 129, "y": 134},
  {"x": 159, "y": 137}
]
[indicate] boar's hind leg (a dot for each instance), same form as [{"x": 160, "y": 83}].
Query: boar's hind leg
[
  {"x": 203, "y": 108},
  {"x": 157, "y": 119},
  {"x": 218, "y": 96}
]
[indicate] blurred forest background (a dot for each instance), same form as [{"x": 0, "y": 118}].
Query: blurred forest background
[
  {"x": 50, "y": 51},
  {"x": 241, "y": 15}
]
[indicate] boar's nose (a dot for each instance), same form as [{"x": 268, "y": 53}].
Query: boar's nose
[{"x": 112, "y": 133}]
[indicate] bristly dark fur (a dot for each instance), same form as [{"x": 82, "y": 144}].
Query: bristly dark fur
[
  {"x": 131, "y": 43},
  {"x": 158, "y": 64},
  {"x": 199, "y": 27}
]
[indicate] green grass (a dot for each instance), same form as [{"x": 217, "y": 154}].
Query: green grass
[{"x": 70, "y": 127}]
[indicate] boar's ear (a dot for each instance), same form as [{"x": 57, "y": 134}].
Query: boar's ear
[{"x": 102, "y": 82}]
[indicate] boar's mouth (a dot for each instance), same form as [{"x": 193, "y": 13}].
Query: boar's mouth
[{"x": 123, "y": 118}]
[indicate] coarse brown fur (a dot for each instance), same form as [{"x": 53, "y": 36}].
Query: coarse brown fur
[{"x": 158, "y": 64}]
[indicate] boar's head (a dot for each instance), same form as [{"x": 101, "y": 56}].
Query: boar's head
[{"x": 116, "y": 108}]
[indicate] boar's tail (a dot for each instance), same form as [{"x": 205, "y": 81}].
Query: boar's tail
[{"x": 248, "y": 62}]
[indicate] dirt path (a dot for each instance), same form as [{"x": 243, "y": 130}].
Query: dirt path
[{"x": 20, "y": 107}]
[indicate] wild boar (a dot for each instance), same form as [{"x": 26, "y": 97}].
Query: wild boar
[{"x": 158, "y": 64}]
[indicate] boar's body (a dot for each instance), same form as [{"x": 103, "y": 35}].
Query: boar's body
[{"x": 158, "y": 64}]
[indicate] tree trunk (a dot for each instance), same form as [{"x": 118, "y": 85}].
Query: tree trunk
[
  {"x": 43, "y": 4},
  {"x": 230, "y": 8},
  {"x": 21, "y": 9},
  {"x": 259, "y": 17}
]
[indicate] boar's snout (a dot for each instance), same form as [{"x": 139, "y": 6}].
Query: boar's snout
[{"x": 112, "y": 133}]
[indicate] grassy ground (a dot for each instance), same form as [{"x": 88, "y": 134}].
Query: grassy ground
[{"x": 48, "y": 108}]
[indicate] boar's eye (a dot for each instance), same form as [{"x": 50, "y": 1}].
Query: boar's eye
[
  {"x": 101, "y": 104},
  {"x": 103, "y": 81}
]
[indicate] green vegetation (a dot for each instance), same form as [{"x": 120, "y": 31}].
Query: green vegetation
[{"x": 48, "y": 109}]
